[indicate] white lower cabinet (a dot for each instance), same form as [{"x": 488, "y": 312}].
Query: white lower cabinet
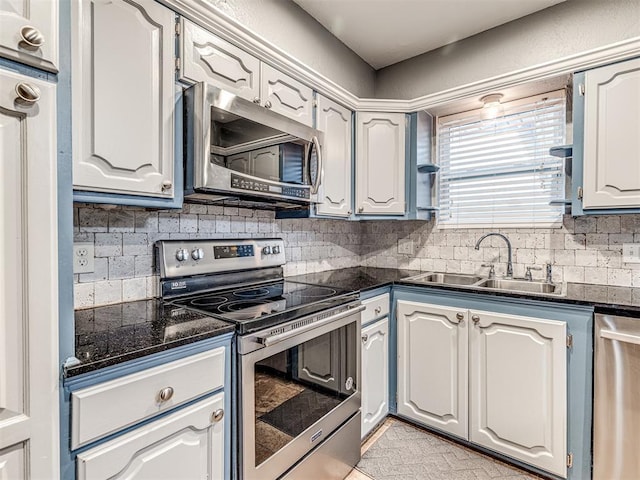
[
  {"x": 433, "y": 365},
  {"x": 187, "y": 444},
  {"x": 375, "y": 374},
  {"x": 515, "y": 368}
]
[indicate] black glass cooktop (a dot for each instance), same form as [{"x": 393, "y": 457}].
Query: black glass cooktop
[{"x": 260, "y": 306}]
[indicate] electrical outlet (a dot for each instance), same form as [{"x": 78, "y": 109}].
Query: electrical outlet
[
  {"x": 83, "y": 261},
  {"x": 405, "y": 246},
  {"x": 631, "y": 253}
]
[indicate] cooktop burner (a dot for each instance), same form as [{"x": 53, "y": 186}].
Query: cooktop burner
[{"x": 258, "y": 306}]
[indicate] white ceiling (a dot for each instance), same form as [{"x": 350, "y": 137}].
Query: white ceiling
[{"x": 384, "y": 32}]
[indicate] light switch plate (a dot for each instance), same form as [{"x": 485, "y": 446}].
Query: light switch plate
[
  {"x": 83, "y": 261},
  {"x": 631, "y": 253},
  {"x": 405, "y": 246}
]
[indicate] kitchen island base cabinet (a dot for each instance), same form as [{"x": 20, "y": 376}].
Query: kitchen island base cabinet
[
  {"x": 375, "y": 374},
  {"x": 494, "y": 379},
  {"x": 432, "y": 366},
  {"x": 187, "y": 444}
]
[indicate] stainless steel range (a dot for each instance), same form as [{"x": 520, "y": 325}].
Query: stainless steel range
[{"x": 298, "y": 351}]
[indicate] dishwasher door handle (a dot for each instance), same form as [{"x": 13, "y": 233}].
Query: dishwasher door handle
[{"x": 620, "y": 337}]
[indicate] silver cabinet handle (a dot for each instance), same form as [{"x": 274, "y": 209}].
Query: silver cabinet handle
[
  {"x": 475, "y": 319},
  {"x": 365, "y": 337},
  {"x": 165, "y": 394},
  {"x": 349, "y": 212},
  {"x": 267, "y": 104},
  {"x": 378, "y": 310},
  {"x": 217, "y": 415},
  {"x": 27, "y": 93},
  {"x": 256, "y": 100},
  {"x": 32, "y": 36},
  {"x": 460, "y": 316},
  {"x": 167, "y": 185},
  {"x": 360, "y": 209}
]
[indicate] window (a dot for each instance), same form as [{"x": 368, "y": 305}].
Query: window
[{"x": 498, "y": 171}]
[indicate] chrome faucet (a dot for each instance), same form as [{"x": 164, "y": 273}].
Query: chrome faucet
[{"x": 509, "y": 262}]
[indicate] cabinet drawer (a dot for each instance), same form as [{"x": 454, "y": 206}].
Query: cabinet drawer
[
  {"x": 376, "y": 307},
  {"x": 111, "y": 406}
]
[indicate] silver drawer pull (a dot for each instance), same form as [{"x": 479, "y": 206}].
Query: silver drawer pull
[
  {"x": 460, "y": 316},
  {"x": 475, "y": 319},
  {"x": 256, "y": 100},
  {"x": 27, "y": 93},
  {"x": 267, "y": 104},
  {"x": 165, "y": 394},
  {"x": 32, "y": 36},
  {"x": 217, "y": 415},
  {"x": 167, "y": 185},
  {"x": 378, "y": 310},
  {"x": 365, "y": 337}
]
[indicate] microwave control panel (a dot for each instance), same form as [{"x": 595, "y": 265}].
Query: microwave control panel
[{"x": 243, "y": 183}]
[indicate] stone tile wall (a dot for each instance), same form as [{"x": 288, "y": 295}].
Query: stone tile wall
[
  {"x": 124, "y": 237},
  {"x": 585, "y": 249}
]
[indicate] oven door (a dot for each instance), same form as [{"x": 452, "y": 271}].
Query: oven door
[{"x": 295, "y": 392}]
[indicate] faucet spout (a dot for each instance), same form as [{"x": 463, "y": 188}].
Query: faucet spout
[{"x": 509, "y": 261}]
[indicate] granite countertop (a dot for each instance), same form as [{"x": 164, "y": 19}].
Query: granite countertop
[
  {"x": 112, "y": 334},
  {"x": 604, "y": 298}
]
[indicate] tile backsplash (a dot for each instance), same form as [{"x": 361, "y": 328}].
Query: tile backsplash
[
  {"x": 124, "y": 237},
  {"x": 585, "y": 249}
]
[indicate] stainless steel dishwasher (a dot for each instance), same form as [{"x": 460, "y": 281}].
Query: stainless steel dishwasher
[{"x": 616, "y": 429}]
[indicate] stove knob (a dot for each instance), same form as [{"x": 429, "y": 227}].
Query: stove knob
[
  {"x": 197, "y": 254},
  {"x": 182, "y": 254},
  {"x": 275, "y": 249},
  {"x": 266, "y": 250}
]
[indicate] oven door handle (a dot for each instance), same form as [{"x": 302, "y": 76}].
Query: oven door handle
[{"x": 269, "y": 340}]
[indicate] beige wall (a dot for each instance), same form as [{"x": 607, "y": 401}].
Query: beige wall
[
  {"x": 556, "y": 32},
  {"x": 290, "y": 28}
]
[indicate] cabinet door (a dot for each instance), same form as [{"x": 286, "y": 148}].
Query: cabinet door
[
  {"x": 518, "y": 392},
  {"x": 285, "y": 95},
  {"x": 28, "y": 281},
  {"x": 375, "y": 374},
  {"x": 29, "y": 32},
  {"x": 432, "y": 365},
  {"x": 380, "y": 163},
  {"x": 335, "y": 188},
  {"x": 123, "y": 97},
  {"x": 207, "y": 58},
  {"x": 186, "y": 444},
  {"x": 612, "y": 144}
]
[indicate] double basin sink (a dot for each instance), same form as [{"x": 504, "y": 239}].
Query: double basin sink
[{"x": 482, "y": 283}]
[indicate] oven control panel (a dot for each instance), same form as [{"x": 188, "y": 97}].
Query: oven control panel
[{"x": 180, "y": 258}]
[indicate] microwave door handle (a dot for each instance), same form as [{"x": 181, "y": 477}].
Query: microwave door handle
[{"x": 316, "y": 145}]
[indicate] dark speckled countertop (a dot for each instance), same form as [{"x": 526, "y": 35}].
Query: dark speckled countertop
[
  {"x": 113, "y": 334},
  {"x": 604, "y": 298}
]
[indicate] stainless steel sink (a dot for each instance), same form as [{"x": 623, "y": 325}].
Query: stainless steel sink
[
  {"x": 520, "y": 286},
  {"x": 447, "y": 278},
  {"x": 480, "y": 283}
]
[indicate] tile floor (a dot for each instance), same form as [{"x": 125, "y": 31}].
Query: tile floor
[{"x": 399, "y": 451}]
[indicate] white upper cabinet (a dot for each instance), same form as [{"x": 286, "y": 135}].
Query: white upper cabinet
[
  {"x": 433, "y": 365},
  {"x": 29, "y": 32},
  {"x": 375, "y": 374},
  {"x": 380, "y": 163},
  {"x": 29, "y": 439},
  {"x": 611, "y": 136},
  {"x": 518, "y": 388},
  {"x": 285, "y": 95},
  {"x": 335, "y": 189},
  {"x": 208, "y": 58},
  {"x": 123, "y": 97}
]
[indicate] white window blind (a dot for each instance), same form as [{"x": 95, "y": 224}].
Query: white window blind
[{"x": 498, "y": 172}]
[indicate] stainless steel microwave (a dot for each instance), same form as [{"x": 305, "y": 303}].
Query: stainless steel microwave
[{"x": 238, "y": 151}]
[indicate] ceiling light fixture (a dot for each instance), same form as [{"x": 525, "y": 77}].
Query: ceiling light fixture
[{"x": 492, "y": 107}]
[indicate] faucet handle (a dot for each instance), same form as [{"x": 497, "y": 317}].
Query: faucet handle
[
  {"x": 492, "y": 271},
  {"x": 528, "y": 275}
]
